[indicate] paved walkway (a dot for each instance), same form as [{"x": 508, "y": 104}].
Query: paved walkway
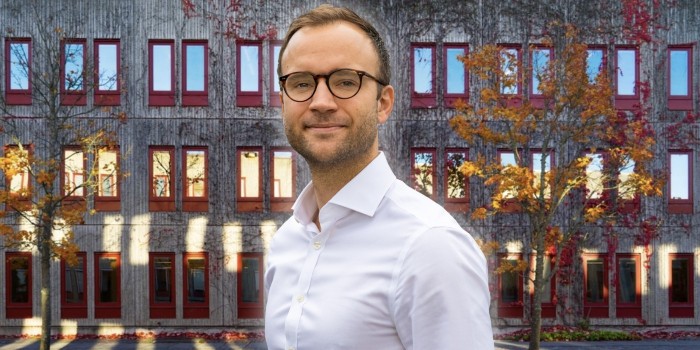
[{"x": 195, "y": 344}]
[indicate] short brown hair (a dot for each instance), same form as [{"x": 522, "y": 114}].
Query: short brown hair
[{"x": 327, "y": 14}]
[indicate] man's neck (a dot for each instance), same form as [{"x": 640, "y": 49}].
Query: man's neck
[{"x": 330, "y": 180}]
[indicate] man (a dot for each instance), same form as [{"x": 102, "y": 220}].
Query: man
[{"x": 365, "y": 262}]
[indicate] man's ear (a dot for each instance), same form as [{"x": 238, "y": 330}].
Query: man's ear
[
  {"x": 385, "y": 104},
  {"x": 282, "y": 101}
]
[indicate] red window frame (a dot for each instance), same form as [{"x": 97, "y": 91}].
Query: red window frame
[
  {"x": 627, "y": 102},
  {"x": 248, "y": 98},
  {"x": 510, "y": 309},
  {"x": 537, "y": 98},
  {"x": 513, "y": 99},
  {"x": 682, "y": 309},
  {"x": 628, "y": 309},
  {"x": 193, "y": 309},
  {"x": 63, "y": 173},
  {"x": 18, "y": 96},
  {"x": 248, "y": 204},
  {"x": 23, "y": 201},
  {"x": 18, "y": 309},
  {"x": 109, "y": 203},
  {"x": 680, "y": 102},
  {"x": 282, "y": 203},
  {"x": 451, "y": 98},
  {"x": 74, "y": 309},
  {"x": 107, "y": 97},
  {"x": 164, "y": 309},
  {"x": 195, "y": 203},
  {"x": 549, "y": 308},
  {"x": 275, "y": 99},
  {"x": 455, "y": 204},
  {"x": 191, "y": 97},
  {"x": 414, "y": 171},
  {"x": 596, "y": 309},
  {"x": 418, "y": 99},
  {"x": 165, "y": 203},
  {"x": 165, "y": 97},
  {"x": 111, "y": 309},
  {"x": 681, "y": 206},
  {"x": 73, "y": 97},
  {"x": 250, "y": 309}
]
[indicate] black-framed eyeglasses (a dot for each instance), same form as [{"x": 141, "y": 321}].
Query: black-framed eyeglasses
[{"x": 342, "y": 83}]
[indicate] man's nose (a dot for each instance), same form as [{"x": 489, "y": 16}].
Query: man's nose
[{"x": 323, "y": 99}]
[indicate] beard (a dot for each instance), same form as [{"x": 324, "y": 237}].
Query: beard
[{"x": 354, "y": 145}]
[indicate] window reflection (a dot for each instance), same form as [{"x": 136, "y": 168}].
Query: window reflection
[
  {"x": 540, "y": 61},
  {"x": 627, "y": 277},
  {"x": 196, "y": 280},
  {"x": 19, "y": 182},
  {"x": 595, "y": 281},
  {"x": 456, "y": 181},
  {"x": 75, "y": 290},
  {"x": 283, "y": 174},
  {"x": 162, "y": 67},
  {"x": 509, "y": 71},
  {"x": 626, "y": 72},
  {"x": 19, "y": 66},
  {"x": 107, "y": 170},
  {"x": 594, "y": 63},
  {"x": 162, "y": 282},
  {"x": 107, "y": 280},
  {"x": 509, "y": 284},
  {"x": 626, "y": 188},
  {"x": 423, "y": 70},
  {"x": 73, "y": 67},
  {"x": 423, "y": 179},
  {"x": 455, "y": 71},
  {"x": 680, "y": 286},
  {"x": 250, "y": 174},
  {"x": 195, "y": 67},
  {"x": 19, "y": 279},
  {"x": 161, "y": 165},
  {"x": 107, "y": 67},
  {"x": 539, "y": 171},
  {"x": 276, "y": 53},
  {"x": 250, "y": 68},
  {"x": 73, "y": 173},
  {"x": 594, "y": 175},
  {"x": 678, "y": 68},
  {"x": 680, "y": 180},
  {"x": 251, "y": 280},
  {"x": 196, "y": 173}
]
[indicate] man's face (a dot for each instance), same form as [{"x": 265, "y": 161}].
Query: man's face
[{"x": 325, "y": 130}]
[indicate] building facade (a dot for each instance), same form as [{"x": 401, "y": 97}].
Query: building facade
[{"x": 180, "y": 242}]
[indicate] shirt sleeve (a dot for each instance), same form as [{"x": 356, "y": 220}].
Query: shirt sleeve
[{"x": 441, "y": 297}]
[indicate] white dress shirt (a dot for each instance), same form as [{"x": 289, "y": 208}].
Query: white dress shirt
[{"x": 389, "y": 269}]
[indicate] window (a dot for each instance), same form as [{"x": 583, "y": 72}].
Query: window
[
  {"x": 456, "y": 183},
  {"x": 18, "y": 74},
  {"x": 681, "y": 285},
  {"x": 249, "y": 72},
  {"x": 249, "y": 194},
  {"x": 195, "y": 165},
  {"x": 626, "y": 78},
  {"x": 510, "y": 288},
  {"x": 629, "y": 290},
  {"x": 73, "y": 84},
  {"x": 18, "y": 282},
  {"x": 195, "y": 73},
  {"x": 595, "y": 62},
  {"x": 162, "y": 285},
  {"x": 108, "y": 194},
  {"x": 595, "y": 271},
  {"x": 161, "y": 73},
  {"x": 161, "y": 186},
  {"x": 456, "y": 78},
  {"x": 541, "y": 166},
  {"x": 19, "y": 185},
  {"x": 680, "y": 73},
  {"x": 626, "y": 192},
  {"x": 282, "y": 179},
  {"x": 423, "y": 171},
  {"x": 107, "y": 71},
  {"x": 680, "y": 184},
  {"x": 423, "y": 75},
  {"x": 73, "y": 284},
  {"x": 548, "y": 294},
  {"x": 73, "y": 172},
  {"x": 510, "y": 70},
  {"x": 108, "y": 285},
  {"x": 539, "y": 61},
  {"x": 508, "y": 158},
  {"x": 594, "y": 177},
  {"x": 274, "y": 97},
  {"x": 250, "y": 285},
  {"x": 196, "y": 285}
]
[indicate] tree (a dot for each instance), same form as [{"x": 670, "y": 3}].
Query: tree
[
  {"x": 567, "y": 158},
  {"x": 69, "y": 157}
]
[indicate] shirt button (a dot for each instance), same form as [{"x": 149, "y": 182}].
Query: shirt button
[
  {"x": 317, "y": 245},
  {"x": 300, "y": 298}
]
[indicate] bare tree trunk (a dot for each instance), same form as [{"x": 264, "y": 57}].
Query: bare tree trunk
[
  {"x": 45, "y": 257},
  {"x": 536, "y": 314}
]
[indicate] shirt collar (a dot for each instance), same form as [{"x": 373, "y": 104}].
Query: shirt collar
[{"x": 362, "y": 194}]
